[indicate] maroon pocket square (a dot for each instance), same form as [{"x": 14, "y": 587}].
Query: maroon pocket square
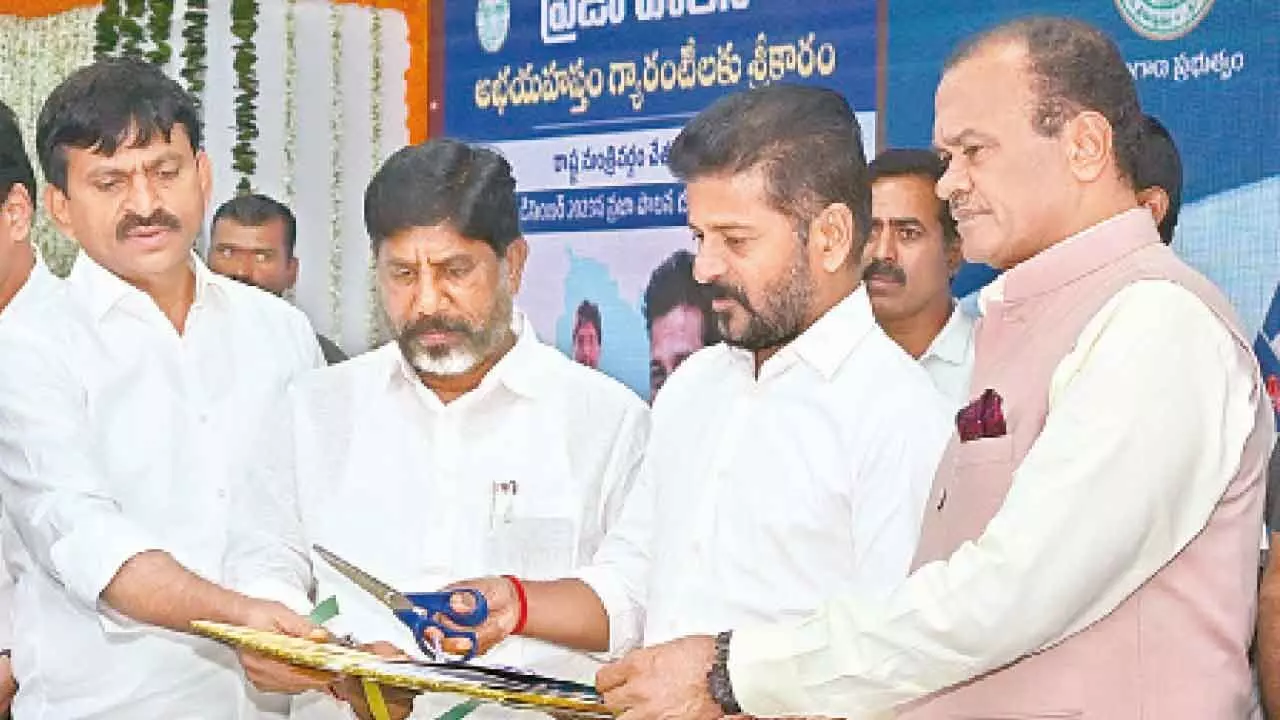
[{"x": 982, "y": 418}]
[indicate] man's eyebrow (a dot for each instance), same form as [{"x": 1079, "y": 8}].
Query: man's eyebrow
[{"x": 963, "y": 137}]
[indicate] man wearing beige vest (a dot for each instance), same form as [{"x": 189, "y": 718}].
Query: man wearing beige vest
[{"x": 1090, "y": 546}]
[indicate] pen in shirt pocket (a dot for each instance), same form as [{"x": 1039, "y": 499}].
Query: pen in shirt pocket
[{"x": 502, "y": 501}]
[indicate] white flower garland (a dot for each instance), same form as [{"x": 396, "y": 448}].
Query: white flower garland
[
  {"x": 38, "y": 54},
  {"x": 375, "y": 122},
  {"x": 290, "y": 98},
  {"x": 335, "y": 188}
]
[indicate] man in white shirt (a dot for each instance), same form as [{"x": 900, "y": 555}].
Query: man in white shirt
[
  {"x": 908, "y": 264},
  {"x": 466, "y": 447},
  {"x": 23, "y": 278},
  {"x": 791, "y": 460},
  {"x": 113, "y": 388},
  {"x": 1089, "y": 549}
]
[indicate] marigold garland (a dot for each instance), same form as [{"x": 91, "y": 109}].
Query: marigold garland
[
  {"x": 417, "y": 95},
  {"x": 43, "y": 8}
]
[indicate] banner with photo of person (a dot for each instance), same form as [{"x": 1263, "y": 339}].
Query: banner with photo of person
[{"x": 584, "y": 96}]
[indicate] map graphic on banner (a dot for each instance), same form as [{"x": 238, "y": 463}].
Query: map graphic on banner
[{"x": 584, "y": 98}]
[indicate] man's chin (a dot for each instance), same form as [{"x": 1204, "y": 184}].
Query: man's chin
[
  {"x": 145, "y": 267},
  {"x": 453, "y": 362}
]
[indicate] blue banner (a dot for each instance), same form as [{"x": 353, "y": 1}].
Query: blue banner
[
  {"x": 530, "y": 69},
  {"x": 1208, "y": 70}
]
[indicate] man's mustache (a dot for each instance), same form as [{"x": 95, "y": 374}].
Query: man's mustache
[
  {"x": 160, "y": 218},
  {"x": 884, "y": 270},
  {"x": 729, "y": 292},
  {"x": 435, "y": 324}
]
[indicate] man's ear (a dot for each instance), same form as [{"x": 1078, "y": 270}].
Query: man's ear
[
  {"x": 1089, "y": 145},
  {"x": 58, "y": 206},
  {"x": 833, "y": 236},
  {"x": 955, "y": 256},
  {"x": 293, "y": 271},
  {"x": 204, "y": 173},
  {"x": 1156, "y": 200},
  {"x": 516, "y": 255},
  {"x": 19, "y": 212}
]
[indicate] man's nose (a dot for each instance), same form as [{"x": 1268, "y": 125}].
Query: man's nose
[
  {"x": 141, "y": 198},
  {"x": 708, "y": 265}
]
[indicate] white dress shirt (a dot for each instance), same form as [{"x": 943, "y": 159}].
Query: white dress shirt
[
  {"x": 39, "y": 283},
  {"x": 366, "y": 461},
  {"x": 949, "y": 359},
  {"x": 1052, "y": 545},
  {"x": 761, "y": 496},
  {"x": 118, "y": 435}
]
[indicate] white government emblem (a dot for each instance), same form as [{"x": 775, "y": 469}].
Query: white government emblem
[
  {"x": 1163, "y": 19},
  {"x": 493, "y": 20}
]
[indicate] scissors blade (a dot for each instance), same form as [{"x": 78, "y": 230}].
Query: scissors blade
[{"x": 386, "y": 594}]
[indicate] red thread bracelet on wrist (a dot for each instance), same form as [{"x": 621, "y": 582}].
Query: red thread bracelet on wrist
[{"x": 524, "y": 604}]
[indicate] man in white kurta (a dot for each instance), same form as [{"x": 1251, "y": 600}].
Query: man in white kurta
[
  {"x": 127, "y": 396},
  {"x": 760, "y": 493},
  {"x": 423, "y": 469},
  {"x": 23, "y": 279},
  {"x": 794, "y": 459}
]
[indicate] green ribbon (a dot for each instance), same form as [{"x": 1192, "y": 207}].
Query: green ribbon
[
  {"x": 325, "y": 611},
  {"x": 461, "y": 710}
]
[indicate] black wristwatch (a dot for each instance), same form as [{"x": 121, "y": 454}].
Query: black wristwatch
[{"x": 718, "y": 677}]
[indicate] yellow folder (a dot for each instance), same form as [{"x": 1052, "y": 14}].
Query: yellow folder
[{"x": 512, "y": 688}]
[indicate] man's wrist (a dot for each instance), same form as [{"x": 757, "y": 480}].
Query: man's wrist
[{"x": 718, "y": 681}]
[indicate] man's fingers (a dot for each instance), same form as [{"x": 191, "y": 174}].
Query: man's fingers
[
  {"x": 271, "y": 675},
  {"x": 385, "y": 649},
  {"x": 463, "y": 602},
  {"x": 457, "y": 646},
  {"x": 612, "y": 676}
]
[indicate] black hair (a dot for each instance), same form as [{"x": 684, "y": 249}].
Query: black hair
[
  {"x": 113, "y": 101},
  {"x": 256, "y": 210},
  {"x": 671, "y": 285},
  {"x": 444, "y": 181},
  {"x": 900, "y": 162},
  {"x": 805, "y": 139},
  {"x": 1075, "y": 68},
  {"x": 15, "y": 166},
  {"x": 1160, "y": 165}
]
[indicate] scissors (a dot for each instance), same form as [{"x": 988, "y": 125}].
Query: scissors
[{"x": 418, "y": 610}]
